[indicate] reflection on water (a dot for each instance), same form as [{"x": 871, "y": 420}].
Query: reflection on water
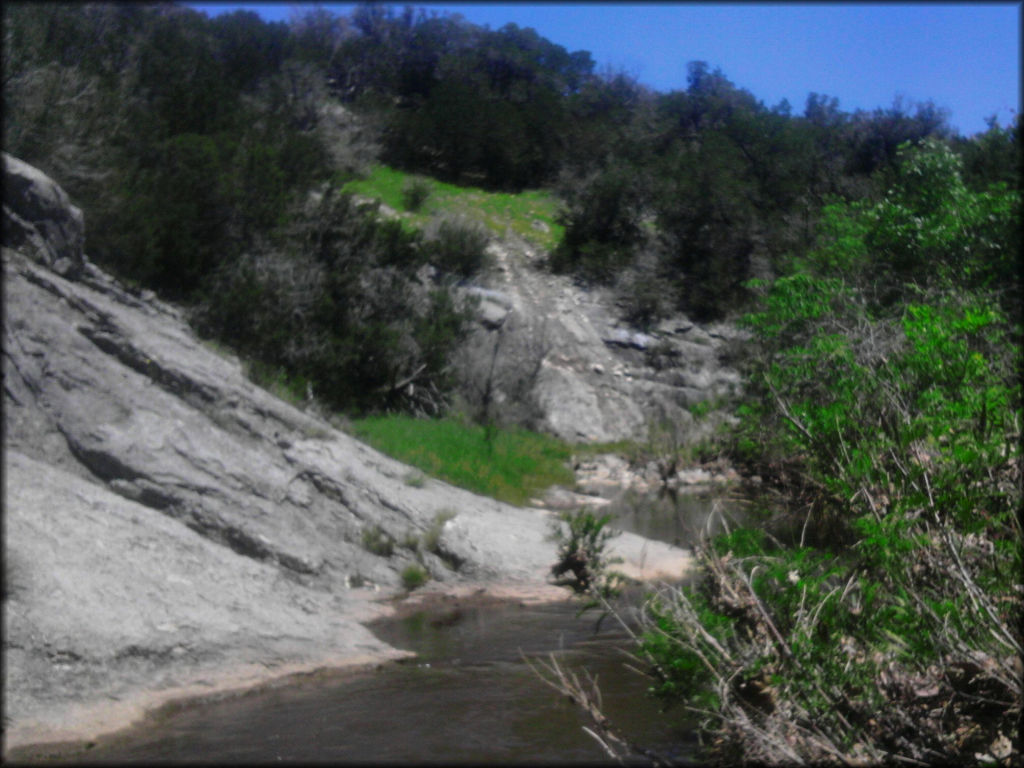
[
  {"x": 467, "y": 697},
  {"x": 680, "y": 516}
]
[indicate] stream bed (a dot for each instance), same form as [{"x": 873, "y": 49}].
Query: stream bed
[{"x": 467, "y": 697}]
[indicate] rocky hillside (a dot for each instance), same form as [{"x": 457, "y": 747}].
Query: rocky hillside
[
  {"x": 592, "y": 378},
  {"x": 172, "y": 529}
]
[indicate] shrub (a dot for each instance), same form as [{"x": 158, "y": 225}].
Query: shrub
[
  {"x": 898, "y": 413},
  {"x": 337, "y": 303},
  {"x": 643, "y": 293},
  {"x": 378, "y": 541},
  {"x": 582, "y": 553},
  {"x": 458, "y": 247},
  {"x": 431, "y": 540},
  {"x": 601, "y": 217},
  {"x": 415, "y": 194},
  {"x": 414, "y": 577},
  {"x": 415, "y": 479}
]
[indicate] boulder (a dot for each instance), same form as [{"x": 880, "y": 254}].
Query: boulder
[
  {"x": 624, "y": 337},
  {"x": 40, "y": 219},
  {"x": 493, "y": 308},
  {"x": 578, "y": 410}
]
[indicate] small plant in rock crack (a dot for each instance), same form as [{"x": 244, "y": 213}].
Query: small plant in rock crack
[
  {"x": 583, "y": 562},
  {"x": 415, "y": 479},
  {"x": 431, "y": 539},
  {"x": 414, "y": 576},
  {"x": 378, "y": 541}
]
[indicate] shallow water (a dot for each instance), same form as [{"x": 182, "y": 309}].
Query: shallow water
[
  {"x": 678, "y": 517},
  {"x": 468, "y": 696}
]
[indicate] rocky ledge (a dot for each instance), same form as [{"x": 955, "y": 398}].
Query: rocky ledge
[
  {"x": 170, "y": 529},
  {"x": 590, "y": 378}
]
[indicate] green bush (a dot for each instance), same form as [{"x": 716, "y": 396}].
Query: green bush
[
  {"x": 414, "y": 577},
  {"x": 582, "y": 539},
  {"x": 458, "y": 247},
  {"x": 601, "y": 217},
  {"x": 337, "y": 303},
  {"x": 415, "y": 193},
  {"x": 378, "y": 541},
  {"x": 898, "y": 413}
]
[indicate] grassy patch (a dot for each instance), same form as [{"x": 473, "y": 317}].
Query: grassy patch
[
  {"x": 529, "y": 214},
  {"x": 414, "y": 577},
  {"x": 378, "y": 541},
  {"x": 515, "y": 466},
  {"x": 291, "y": 388}
]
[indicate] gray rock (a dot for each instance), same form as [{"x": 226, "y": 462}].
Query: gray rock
[
  {"x": 652, "y": 377},
  {"x": 171, "y": 529},
  {"x": 578, "y": 411},
  {"x": 623, "y": 337},
  {"x": 126, "y": 439},
  {"x": 40, "y": 219},
  {"x": 493, "y": 307}
]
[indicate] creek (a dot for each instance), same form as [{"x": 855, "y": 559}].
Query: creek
[{"x": 468, "y": 695}]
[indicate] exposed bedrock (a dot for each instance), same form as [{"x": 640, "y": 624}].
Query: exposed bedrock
[
  {"x": 595, "y": 379},
  {"x": 171, "y": 528}
]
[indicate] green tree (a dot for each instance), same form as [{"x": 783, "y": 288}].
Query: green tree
[
  {"x": 900, "y": 421},
  {"x": 929, "y": 230},
  {"x": 175, "y": 218},
  {"x": 602, "y": 217}
]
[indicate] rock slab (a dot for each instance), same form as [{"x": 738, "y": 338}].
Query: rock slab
[{"x": 172, "y": 529}]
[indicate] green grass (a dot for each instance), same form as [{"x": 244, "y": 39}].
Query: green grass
[
  {"x": 498, "y": 212},
  {"x": 277, "y": 381},
  {"x": 515, "y": 467},
  {"x": 414, "y": 577}
]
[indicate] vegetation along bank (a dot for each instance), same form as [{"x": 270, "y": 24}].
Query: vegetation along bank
[{"x": 383, "y": 214}]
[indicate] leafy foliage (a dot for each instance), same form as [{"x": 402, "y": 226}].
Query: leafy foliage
[
  {"x": 602, "y": 223},
  {"x": 582, "y": 552},
  {"x": 344, "y": 310},
  {"x": 414, "y": 576},
  {"x": 900, "y": 415},
  {"x": 458, "y": 247}
]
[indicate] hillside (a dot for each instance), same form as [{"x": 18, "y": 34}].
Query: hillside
[
  {"x": 172, "y": 529},
  {"x": 449, "y": 240}
]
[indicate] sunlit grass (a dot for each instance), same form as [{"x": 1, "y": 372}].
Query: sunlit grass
[
  {"x": 529, "y": 214},
  {"x": 515, "y": 466}
]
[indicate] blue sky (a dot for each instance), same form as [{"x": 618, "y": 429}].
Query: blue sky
[{"x": 966, "y": 57}]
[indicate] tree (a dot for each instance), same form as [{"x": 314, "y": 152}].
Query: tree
[
  {"x": 928, "y": 230},
  {"x": 993, "y": 156},
  {"x": 248, "y": 47},
  {"x": 177, "y": 215},
  {"x": 602, "y": 219},
  {"x": 900, "y": 421},
  {"x": 875, "y": 137}
]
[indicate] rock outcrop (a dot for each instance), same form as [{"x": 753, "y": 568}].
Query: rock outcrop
[
  {"x": 40, "y": 219},
  {"x": 170, "y": 528},
  {"x": 599, "y": 380}
]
